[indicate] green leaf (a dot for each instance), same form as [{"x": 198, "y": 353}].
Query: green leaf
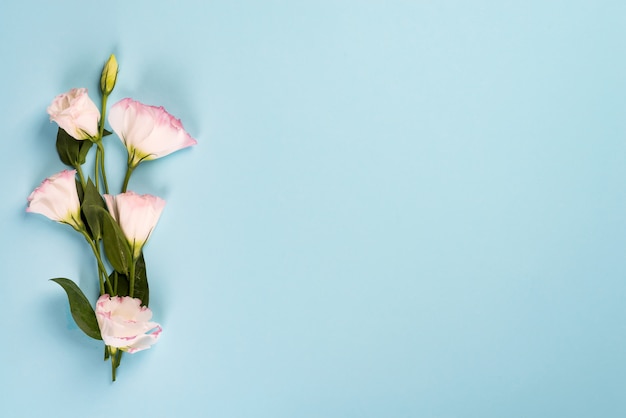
[
  {"x": 65, "y": 147},
  {"x": 106, "y": 133},
  {"x": 92, "y": 203},
  {"x": 84, "y": 148},
  {"x": 71, "y": 151},
  {"x": 116, "y": 247},
  {"x": 81, "y": 310}
]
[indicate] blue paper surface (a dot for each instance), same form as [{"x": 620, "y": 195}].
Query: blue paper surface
[{"x": 395, "y": 209}]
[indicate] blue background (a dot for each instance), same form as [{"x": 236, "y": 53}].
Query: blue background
[{"x": 395, "y": 208}]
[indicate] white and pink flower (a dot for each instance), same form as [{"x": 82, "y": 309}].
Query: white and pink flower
[
  {"x": 57, "y": 199},
  {"x": 137, "y": 215},
  {"x": 148, "y": 132},
  {"x": 125, "y": 324},
  {"x": 76, "y": 114}
]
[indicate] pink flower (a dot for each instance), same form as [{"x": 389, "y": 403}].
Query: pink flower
[
  {"x": 137, "y": 215},
  {"x": 148, "y": 132},
  {"x": 125, "y": 324},
  {"x": 57, "y": 198},
  {"x": 75, "y": 113}
]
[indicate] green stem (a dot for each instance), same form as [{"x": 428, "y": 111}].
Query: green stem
[
  {"x": 97, "y": 164},
  {"x": 116, "y": 359},
  {"x": 114, "y": 363},
  {"x": 81, "y": 176},
  {"x": 103, "y": 113},
  {"x": 102, "y": 169},
  {"x": 100, "y": 150},
  {"x": 131, "y": 278},
  {"x": 116, "y": 280},
  {"x": 129, "y": 171},
  {"x": 101, "y": 269}
]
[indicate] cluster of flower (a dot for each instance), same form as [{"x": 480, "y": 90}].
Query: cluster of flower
[{"x": 118, "y": 224}]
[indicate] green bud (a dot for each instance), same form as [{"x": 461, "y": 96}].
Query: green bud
[{"x": 109, "y": 76}]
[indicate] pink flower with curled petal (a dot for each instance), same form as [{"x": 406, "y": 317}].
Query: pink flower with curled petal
[
  {"x": 137, "y": 215},
  {"x": 57, "y": 199},
  {"x": 148, "y": 132},
  {"x": 76, "y": 114},
  {"x": 125, "y": 324}
]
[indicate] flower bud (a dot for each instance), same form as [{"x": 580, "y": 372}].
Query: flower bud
[{"x": 109, "y": 75}]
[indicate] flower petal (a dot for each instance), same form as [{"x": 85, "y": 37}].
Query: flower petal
[
  {"x": 75, "y": 113},
  {"x": 137, "y": 215},
  {"x": 57, "y": 199},
  {"x": 125, "y": 324},
  {"x": 148, "y": 132}
]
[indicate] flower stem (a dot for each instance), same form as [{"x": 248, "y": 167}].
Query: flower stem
[
  {"x": 116, "y": 280},
  {"x": 100, "y": 150},
  {"x": 131, "y": 278},
  {"x": 103, "y": 113},
  {"x": 114, "y": 361},
  {"x": 81, "y": 176},
  {"x": 102, "y": 169},
  {"x": 113, "y": 368},
  {"x": 116, "y": 358},
  {"x": 96, "y": 165},
  {"x": 129, "y": 171},
  {"x": 102, "y": 272}
]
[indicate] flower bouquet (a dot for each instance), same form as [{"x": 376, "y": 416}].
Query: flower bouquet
[{"x": 116, "y": 227}]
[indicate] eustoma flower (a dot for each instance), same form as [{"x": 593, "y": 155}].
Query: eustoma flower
[
  {"x": 148, "y": 132},
  {"x": 125, "y": 324},
  {"x": 137, "y": 215},
  {"x": 57, "y": 199},
  {"x": 76, "y": 114}
]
